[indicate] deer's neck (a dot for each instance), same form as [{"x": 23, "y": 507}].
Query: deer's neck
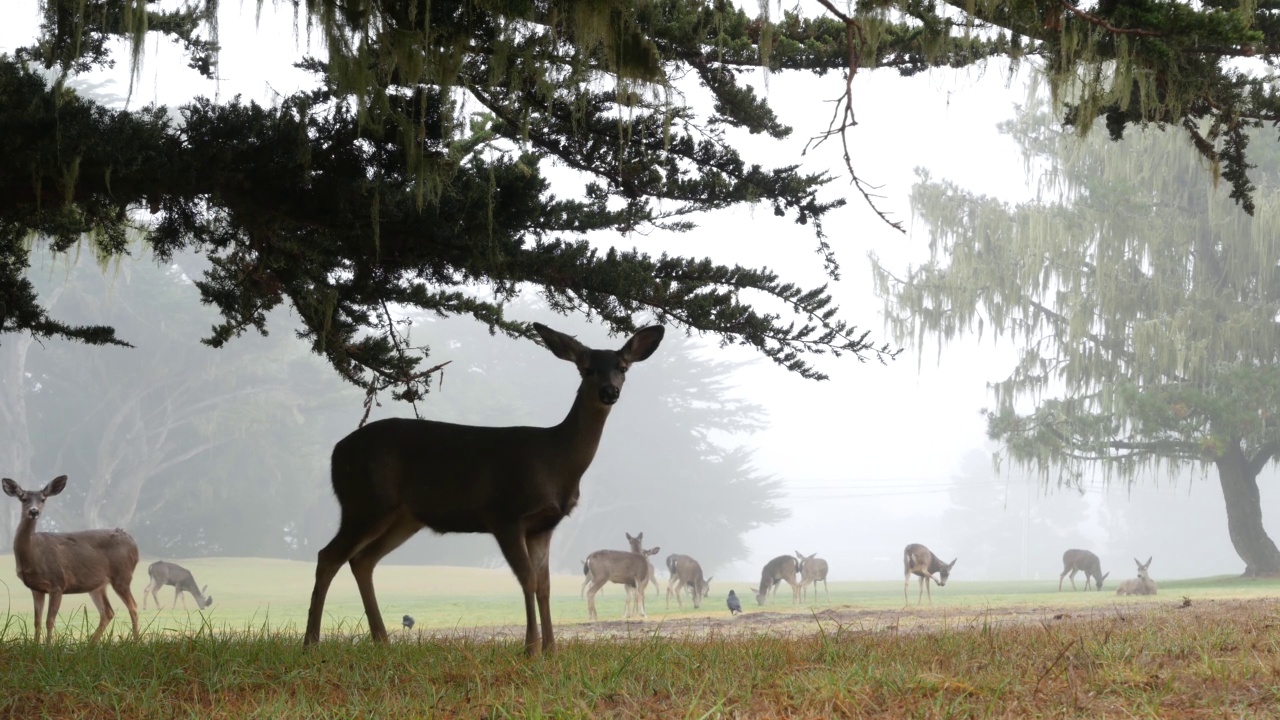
[
  {"x": 578, "y": 435},
  {"x": 24, "y": 540}
]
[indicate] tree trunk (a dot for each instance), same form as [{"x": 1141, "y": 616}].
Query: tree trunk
[{"x": 1244, "y": 515}]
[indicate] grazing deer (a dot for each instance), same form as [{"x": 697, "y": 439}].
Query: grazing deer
[
  {"x": 1074, "y": 561},
  {"x": 166, "y": 573},
  {"x": 812, "y": 571},
  {"x": 56, "y": 564},
  {"x": 918, "y": 560},
  {"x": 394, "y": 477},
  {"x": 686, "y": 573},
  {"x": 630, "y": 568},
  {"x": 775, "y": 571},
  {"x": 1141, "y": 585}
]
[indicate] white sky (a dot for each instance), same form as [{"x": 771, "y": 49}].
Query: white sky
[{"x": 869, "y": 452}]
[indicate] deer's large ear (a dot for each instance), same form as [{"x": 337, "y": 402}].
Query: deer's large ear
[
  {"x": 1104, "y": 576},
  {"x": 652, "y": 551},
  {"x": 55, "y": 486},
  {"x": 952, "y": 564},
  {"x": 11, "y": 488},
  {"x": 1135, "y": 562},
  {"x": 1148, "y": 561},
  {"x": 642, "y": 344},
  {"x": 561, "y": 345},
  {"x": 708, "y": 580}
]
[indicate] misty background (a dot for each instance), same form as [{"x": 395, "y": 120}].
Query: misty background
[{"x": 711, "y": 452}]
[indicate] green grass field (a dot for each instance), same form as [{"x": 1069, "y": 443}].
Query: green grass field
[
  {"x": 253, "y": 594},
  {"x": 983, "y": 650}
]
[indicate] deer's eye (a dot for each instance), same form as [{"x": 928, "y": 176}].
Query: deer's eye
[{"x": 622, "y": 369}]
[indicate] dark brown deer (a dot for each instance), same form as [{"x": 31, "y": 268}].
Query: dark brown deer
[
  {"x": 775, "y": 571},
  {"x": 166, "y": 573},
  {"x": 686, "y": 573},
  {"x": 56, "y": 564},
  {"x": 918, "y": 560},
  {"x": 1141, "y": 585},
  {"x": 1074, "y": 561},
  {"x": 394, "y": 477},
  {"x": 812, "y": 571},
  {"x": 627, "y": 567}
]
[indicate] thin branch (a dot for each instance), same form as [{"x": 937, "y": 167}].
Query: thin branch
[{"x": 1095, "y": 20}]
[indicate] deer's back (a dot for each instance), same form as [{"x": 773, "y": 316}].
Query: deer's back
[
  {"x": 169, "y": 573},
  {"x": 780, "y": 567},
  {"x": 815, "y": 569},
  {"x": 618, "y": 565},
  {"x": 1081, "y": 560},
  {"x": 454, "y": 478},
  {"x": 916, "y": 556},
  {"x": 80, "y": 561},
  {"x": 687, "y": 569}
]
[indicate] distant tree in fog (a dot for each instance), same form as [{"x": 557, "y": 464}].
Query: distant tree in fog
[
  {"x": 194, "y": 451},
  {"x": 1145, "y": 300}
]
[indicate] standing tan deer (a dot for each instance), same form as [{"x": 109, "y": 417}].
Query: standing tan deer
[
  {"x": 1141, "y": 585},
  {"x": 394, "y": 477},
  {"x": 56, "y": 564},
  {"x": 686, "y": 573},
  {"x": 918, "y": 560},
  {"x": 650, "y": 581},
  {"x": 812, "y": 571},
  {"x": 164, "y": 573},
  {"x": 1074, "y": 561},
  {"x": 775, "y": 571},
  {"x": 630, "y": 568}
]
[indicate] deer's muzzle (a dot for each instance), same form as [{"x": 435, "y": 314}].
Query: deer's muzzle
[{"x": 609, "y": 394}]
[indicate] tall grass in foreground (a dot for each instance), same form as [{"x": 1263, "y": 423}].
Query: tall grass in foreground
[{"x": 1214, "y": 658}]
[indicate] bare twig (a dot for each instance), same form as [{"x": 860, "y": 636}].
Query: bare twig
[{"x": 1095, "y": 20}]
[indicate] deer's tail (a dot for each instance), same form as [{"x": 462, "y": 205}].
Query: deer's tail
[
  {"x": 586, "y": 569},
  {"x": 671, "y": 563}
]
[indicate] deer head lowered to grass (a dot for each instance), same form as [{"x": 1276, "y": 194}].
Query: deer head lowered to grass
[
  {"x": 1074, "y": 561},
  {"x": 920, "y": 561},
  {"x": 394, "y": 477},
  {"x": 783, "y": 567},
  {"x": 56, "y": 564},
  {"x": 686, "y": 573},
  {"x": 166, "y": 573}
]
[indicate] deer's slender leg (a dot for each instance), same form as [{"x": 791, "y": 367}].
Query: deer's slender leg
[
  {"x": 121, "y": 586},
  {"x": 37, "y": 599},
  {"x": 105, "y": 613},
  {"x": 177, "y": 592},
  {"x": 920, "y": 594},
  {"x": 539, "y": 546},
  {"x": 403, "y": 527},
  {"x": 516, "y": 552},
  {"x": 906, "y": 583},
  {"x": 591, "y": 597},
  {"x": 353, "y": 534},
  {"x": 55, "y": 602}
]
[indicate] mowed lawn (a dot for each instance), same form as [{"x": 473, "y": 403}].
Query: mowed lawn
[
  {"x": 1078, "y": 654},
  {"x": 254, "y": 594}
]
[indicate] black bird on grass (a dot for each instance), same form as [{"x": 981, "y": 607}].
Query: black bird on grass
[
  {"x": 407, "y": 622},
  {"x": 735, "y": 607}
]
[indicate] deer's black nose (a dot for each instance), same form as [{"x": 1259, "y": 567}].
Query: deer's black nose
[
  {"x": 609, "y": 394},
  {"x": 33, "y": 512}
]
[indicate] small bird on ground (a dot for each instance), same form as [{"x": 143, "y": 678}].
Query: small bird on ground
[
  {"x": 735, "y": 607},
  {"x": 407, "y": 622}
]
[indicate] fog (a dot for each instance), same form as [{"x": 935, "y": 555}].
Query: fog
[{"x": 853, "y": 468}]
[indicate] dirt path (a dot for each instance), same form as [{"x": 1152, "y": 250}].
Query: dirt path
[{"x": 846, "y": 619}]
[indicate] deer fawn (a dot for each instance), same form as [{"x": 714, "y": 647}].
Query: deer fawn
[
  {"x": 1141, "y": 585},
  {"x": 686, "y": 573},
  {"x": 630, "y": 568},
  {"x": 394, "y": 477},
  {"x": 918, "y": 560},
  {"x": 775, "y": 571},
  {"x": 1074, "y": 561},
  {"x": 812, "y": 571},
  {"x": 166, "y": 573},
  {"x": 55, "y": 564}
]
